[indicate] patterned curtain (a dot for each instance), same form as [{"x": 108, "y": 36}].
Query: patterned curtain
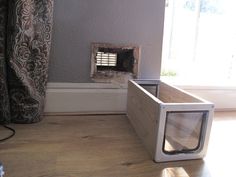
[{"x": 25, "y": 38}]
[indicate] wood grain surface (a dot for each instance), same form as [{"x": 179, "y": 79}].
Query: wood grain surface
[
  {"x": 143, "y": 112},
  {"x": 106, "y": 146}
]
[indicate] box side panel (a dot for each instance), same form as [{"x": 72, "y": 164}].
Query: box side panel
[
  {"x": 169, "y": 94},
  {"x": 142, "y": 112},
  {"x": 151, "y": 89}
]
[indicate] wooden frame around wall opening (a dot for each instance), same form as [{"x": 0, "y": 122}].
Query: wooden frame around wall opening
[{"x": 111, "y": 76}]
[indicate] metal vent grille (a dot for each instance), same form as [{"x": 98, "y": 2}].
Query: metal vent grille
[{"x": 106, "y": 59}]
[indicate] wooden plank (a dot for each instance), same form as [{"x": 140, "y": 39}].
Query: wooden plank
[
  {"x": 170, "y": 94},
  {"x": 142, "y": 112}
]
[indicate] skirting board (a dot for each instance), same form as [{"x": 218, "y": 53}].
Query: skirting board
[
  {"x": 83, "y": 98},
  {"x": 97, "y": 98}
]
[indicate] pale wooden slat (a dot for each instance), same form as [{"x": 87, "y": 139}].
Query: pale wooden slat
[
  {"x": 143, "y": 112},
  {"x": 172, "y": 95}
]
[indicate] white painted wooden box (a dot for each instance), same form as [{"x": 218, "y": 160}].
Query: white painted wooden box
[{"x": 172, "y": 124}]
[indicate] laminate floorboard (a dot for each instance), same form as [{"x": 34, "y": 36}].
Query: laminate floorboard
[{"x": 107, "y": 146}]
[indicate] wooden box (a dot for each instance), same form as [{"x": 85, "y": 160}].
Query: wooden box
[{"x": 172, "y": 124}]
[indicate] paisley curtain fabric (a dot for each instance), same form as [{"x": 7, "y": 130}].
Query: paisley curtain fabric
[
  {"x": 25, "y": 39},
  {"x": 4, "y": 99}
]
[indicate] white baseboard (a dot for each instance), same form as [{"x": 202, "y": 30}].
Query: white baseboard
[
  {"x": 96, "y": 98},
  {"x": 82, "y": 98}
]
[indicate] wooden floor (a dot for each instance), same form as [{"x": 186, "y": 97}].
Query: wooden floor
[{"x": 106, "y": 146}]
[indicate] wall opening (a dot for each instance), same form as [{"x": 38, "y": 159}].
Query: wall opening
[{"x": 114, "y": 64}]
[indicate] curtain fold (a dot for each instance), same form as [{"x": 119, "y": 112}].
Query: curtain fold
[{"x": 25, "y": 39}]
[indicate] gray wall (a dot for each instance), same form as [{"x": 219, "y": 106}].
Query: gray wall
[{"x": 78, "y": 23}]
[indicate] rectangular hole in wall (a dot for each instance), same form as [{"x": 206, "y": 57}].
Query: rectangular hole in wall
[{"x": 112, "y": 63}]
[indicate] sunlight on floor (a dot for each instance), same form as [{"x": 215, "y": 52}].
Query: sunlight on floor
[
  {"x": 174, "y": 172},
  {"x": 223, "y": 144}
]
